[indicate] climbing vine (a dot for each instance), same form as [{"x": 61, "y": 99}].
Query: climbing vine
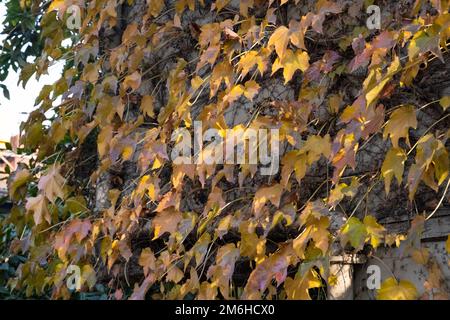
[{"x": 103, "y": 193}]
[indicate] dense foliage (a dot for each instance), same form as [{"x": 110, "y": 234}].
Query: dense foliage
[{"x": 104, "y": 195}]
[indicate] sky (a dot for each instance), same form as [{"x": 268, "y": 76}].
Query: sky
[{"x": 21, "y": 103}]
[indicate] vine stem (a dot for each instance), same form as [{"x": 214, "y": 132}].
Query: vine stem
[
  {"x": 440, "y": 201},
  {"x": 428, "y": 130}
]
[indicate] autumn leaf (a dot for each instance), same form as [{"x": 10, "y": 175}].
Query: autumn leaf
[
  {"x": 445, "y": 102},
  {"x": 355, "y": 232},
  {"x": 165, "y": 221},
  {"x": 298, "y": 288},
  {"x": 375, "y": 231},
  {"x": 249, "y": 90},
  {"x": 132, "y": 81},
  {"x": 155, "y": 7},
  {"x": 291, "y": 62},
  {"x": 342, "y": 190},
  {"x": 427, "y": 40},
  {"x": 210, "y": 35},
  {"x": 39, "y": 207},
  {"x": 90, "y": 73},
  {"x": 250, "y": 242},
  {"x": 275, "y": 266},
  {"x": 52, "y": 184},
  {"x": 222, "y": 72},
  {"x": 88, "y": 276},
  {"x": 317, "y": 230},
  {"x": 431, "y": 164},
  {"x": 376, "y": 86},
  {"x": 280, "y": 40},
  {"x": 147, "y": 106},
  {"x": 399, "y": 123},
  {"x": 393, "y": 166},
  {"x": 391, "y": 289},
  {"x": 17, "y": 181},
  {"x": 272, "y": 194},
  {"x": 253, "y": 58}
]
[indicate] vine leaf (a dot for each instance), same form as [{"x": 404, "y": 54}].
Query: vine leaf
[
  {"x": 252, "y": 58},
  {"x": 280, "y": 40},
  {"x": 399, "y": 123},
  {"x": 445, "y": 102},
  {"x": 298, "y": 288},
  {"x": 391, "y": 289},
  {"x": 272, "y": 194},
  {"x": 375, "y": 231},
  {"x": 166, "y": 221},
  {"x": 342, "y": 190},
  {"x": 39, "y": 206},
  {"x": 52, "y": 184},
  {"x": 393, "y": 166},
  {"x": 355, "y": 232},
  {"x": 291, "y": 62},
  {"x": 17, "y": 181},
  {"x": 132, "y": 81}
]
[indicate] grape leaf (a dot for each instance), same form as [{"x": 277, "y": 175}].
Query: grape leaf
[
  {"x": 391, "y": 289},
  {"x": 393, "y": 166},
  {"x": 399, "y": 123}
]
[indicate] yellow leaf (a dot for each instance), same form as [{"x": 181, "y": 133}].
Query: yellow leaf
[
  {"x": 147, "y": 260},
  {"x": 280, "y": 40},
  {"x": 88, "y": 276},
  {"x": 165, "y": 221},
  {"x": 272, "y": 194},
  {"x": 375, "y": 231},
  {"x": 132, "y": 81},
  {"x": 157, "y": 163},
  {"x": 445, "y": 102},
  {"x": 59, "y": 5},
  {"x": 147, "y": 106},
  {"x": 52, "y": 184},
  {"x": 399, "y": 123},
  {"x": 155, "y": 7},
  {"x": 354, "y": 231},
  {"x": 291, "y": 62},
  {"x": 90, "y": 73},
  {"x": 393, "y": 166},
  {"x": 342, "y": 190},
  {"x": 130, "y": 32},
  {"x": 39, "y": 206},
  {"x": 223, "y": 71},
  {"x": 251, "y": 89},
  {"x": 18, "y": 180},
  {"x": 249, "y": 240},
  {"x": 174, "y": 274},
  {"x": 393, "y": 290},
  {"x": 373, "y": 93},
  {"x": 234, "y": 94},
  {"x": 252, "y": 58},
  {"x": 298, "y": 288},
  {"x": 196, "y": 82}
]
